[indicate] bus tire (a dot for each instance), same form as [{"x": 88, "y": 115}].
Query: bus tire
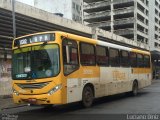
[
  {"x": 134, "y": 88},
  {"x": 87, "y": 96},
  {"x": 134, "y": 91}
]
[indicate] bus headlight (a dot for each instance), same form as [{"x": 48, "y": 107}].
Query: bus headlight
[
  {"x": 15, "y": 92},
  {"x": 56, "y": 88}
]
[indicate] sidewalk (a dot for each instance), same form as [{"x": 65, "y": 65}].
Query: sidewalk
[{"x": 7, "y": 102}]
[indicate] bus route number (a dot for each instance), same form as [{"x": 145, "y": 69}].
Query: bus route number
[{"x": 23, "y": 41}]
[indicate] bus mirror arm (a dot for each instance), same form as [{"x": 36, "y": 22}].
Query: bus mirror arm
[
  {"x": 64, "y": 37},
  {"x": 44, "y": 43}
]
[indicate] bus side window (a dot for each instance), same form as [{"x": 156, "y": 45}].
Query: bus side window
[
  {"x": 102, "y": 56},
  {"x": 146, "y": 61},
  {"x": 140, "y": 62},
  {"x": 70, "y": 56},
  {"x": 114, "y": 58},
  {"x": 125, "y": 58},
  {"x": 87, "y": 55},
  {"x": 133, "y": 59}
]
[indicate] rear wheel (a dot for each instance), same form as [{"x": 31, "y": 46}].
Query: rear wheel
[
  {"x": 87, "y": 96},
  {"x": 135, "y": 89}
]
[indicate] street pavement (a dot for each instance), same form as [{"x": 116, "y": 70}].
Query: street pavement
[
  {"x": 7, "y": 103},
  {"x": 147, "y": 102}
]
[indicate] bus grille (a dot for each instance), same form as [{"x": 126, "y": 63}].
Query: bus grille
[{"x": 33, "y": 85}]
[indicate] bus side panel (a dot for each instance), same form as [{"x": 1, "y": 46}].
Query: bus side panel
[
  {"x": 75, "y": 88},
  {"x": 114, "y": 80},
  {"x": 78, "y": 79},
  {"x": 143, "y": 75}
]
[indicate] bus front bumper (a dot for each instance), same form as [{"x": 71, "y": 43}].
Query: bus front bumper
[{"x": 37, "y": 99}]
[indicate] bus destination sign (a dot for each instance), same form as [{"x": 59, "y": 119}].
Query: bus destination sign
[{"x": 34, "y": 39}]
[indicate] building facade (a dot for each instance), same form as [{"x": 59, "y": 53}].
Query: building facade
[
  {"x": 127, "y": 18},
  {"x": 154, "y": 35},
  {"x": 70, "y": 9},
  {"x": 154, "y": 26}
]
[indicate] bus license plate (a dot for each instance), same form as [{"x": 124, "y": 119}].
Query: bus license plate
[{"x": 31, "y": 100}]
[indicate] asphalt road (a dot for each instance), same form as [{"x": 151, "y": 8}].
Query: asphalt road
[{"x": 111, "y": 107}]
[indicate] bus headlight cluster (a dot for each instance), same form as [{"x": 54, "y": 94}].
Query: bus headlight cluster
[
  {"x": 15, "y": 92},
  {"x": 56, "y": 88}
]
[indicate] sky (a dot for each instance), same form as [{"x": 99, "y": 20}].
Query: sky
[{"x": 29, "y": 2}]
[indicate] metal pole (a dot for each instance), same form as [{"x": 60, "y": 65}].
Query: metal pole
[{"x": 13, "y": 17}]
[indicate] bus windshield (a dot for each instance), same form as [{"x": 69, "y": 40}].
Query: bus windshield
[{"x": 35, "y": 62}]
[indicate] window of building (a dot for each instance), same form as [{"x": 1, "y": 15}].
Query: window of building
[
  {"x": 80, "y": 19},
  {"x": 73, "y": 5},
  {"x": 77, "y": 18},
  {"x": 147, "y": 2},
  {"x": 133, "y": 59},
  {"x": 146, "y": 22},
  {"x": 156, "y": 20},
  {"x": 73, "y": 16},
  {"x": 77, "y": 8},
  {"x": 156, "y": 11},
  {"x": 156, "y": 36},
  {"x": 156, "y": 3},
  {"x": 114, "y": 57},
  {"x": 102, "y": 55},
  {"x": 156, "y": 28},
  {"x": 70, "y": 56},
  {"x": 125, "y": 58},
  {"x": 155, "y": 44},
  {"x": 140, "y": 60},
  {"x": 147, "y": 13},
  {"x": 87, "y": 55},
  {"x": 146, "y": 41}
]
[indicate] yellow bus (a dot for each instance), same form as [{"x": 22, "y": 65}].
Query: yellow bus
[{"x": 59, "y": 68}]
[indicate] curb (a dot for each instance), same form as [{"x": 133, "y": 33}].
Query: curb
[
  {"x": 5, "y": 96},
  {"x": 14, "y": 106}
]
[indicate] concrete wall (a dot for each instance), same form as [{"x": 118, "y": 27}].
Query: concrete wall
[
  {"x": 5, "y": 77},
  {"x": 152, "y": 25}
]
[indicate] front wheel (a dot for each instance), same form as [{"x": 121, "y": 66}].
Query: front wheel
[{"x": 87, "y": 96}]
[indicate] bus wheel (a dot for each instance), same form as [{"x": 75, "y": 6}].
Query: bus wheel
[
  {"x": 135, "y": 89},
  {"x": 87, "y": 96}
]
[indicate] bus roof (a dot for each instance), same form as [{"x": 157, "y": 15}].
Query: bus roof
[
  {"x": 102, "y": 43},
  {"x": 90, "y": 40}
]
